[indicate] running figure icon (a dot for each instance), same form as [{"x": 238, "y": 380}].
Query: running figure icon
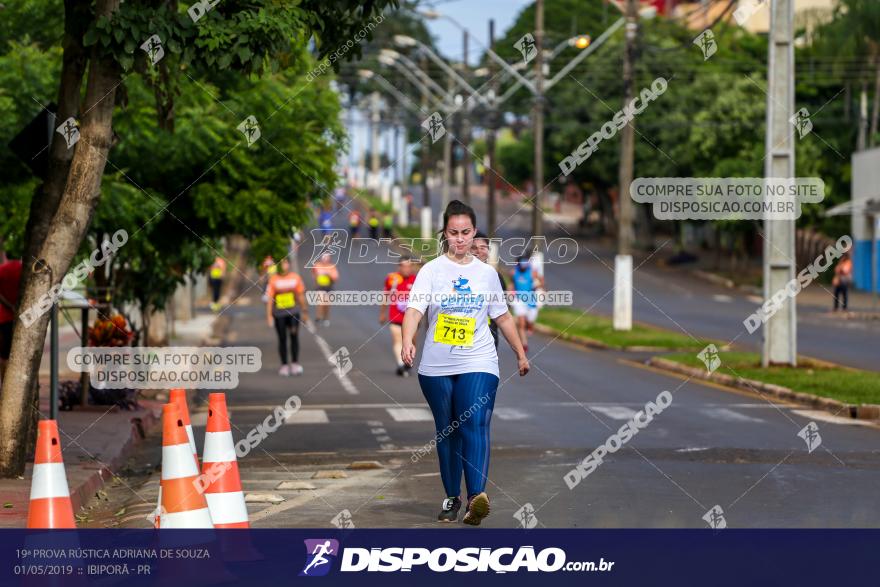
[{"x": 319, "y": 559}]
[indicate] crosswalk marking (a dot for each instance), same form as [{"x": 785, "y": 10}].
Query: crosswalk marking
[
  {"x": 729, "y": 415},
  {"x": 308, "y": 417},
  {"x": 410, "y": 414},
  {"x": 511, "y": 414},
  {"x": 615, "y": 412}
]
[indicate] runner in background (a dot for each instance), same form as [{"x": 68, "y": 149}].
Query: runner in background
[
  {"x": 215, "y": 278},
  {"x": 480, "y": 250},
  {"x": 354, "y": 222},
  {"x": 526, "y": 282},
  {"x": 10, "y": 278},
  {"x": 397, "y": 286},
  {"x": 286, "y": 310},
  {"x": 267, "y": 270},
  {"x": 373, "y": 223},
  {"x": 338, "y": 198},
  {"x": 326, "y": 275},
  {"x": 387, "y": 224},
  {"x": 325, "y": 220}
]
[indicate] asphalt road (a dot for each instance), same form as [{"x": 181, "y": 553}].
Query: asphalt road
[
  {"x": 672, "y": 299},
  {"x": 711, "y": 447}
]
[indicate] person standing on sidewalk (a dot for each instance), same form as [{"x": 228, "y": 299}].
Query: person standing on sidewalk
[
  {"x": 397, "y": 287},
  {"x": 481, "y": 252},
  {"x": 10, "y": 277},
  {"x": 286, "y": 310},
  {"x": 326, "y": 275},
  {"x": 458, "y": 371},
  {"x": 842, "y": 280},
  {"x": 215, "y": 278}
]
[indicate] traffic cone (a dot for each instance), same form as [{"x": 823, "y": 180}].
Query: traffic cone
[
  {"x": 183, "y": 505},
  {"x": 178, "y": 396},
  {"x": 50, "y": 505},
  {"x": 220, "y": 467}
]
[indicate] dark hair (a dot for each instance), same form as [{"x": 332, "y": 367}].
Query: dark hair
[
  {"x": 481, "y": 236},
  {"x": 455, "y": 208}
]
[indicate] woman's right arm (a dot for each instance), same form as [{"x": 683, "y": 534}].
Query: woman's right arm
[{"x": 411, "y": 319}]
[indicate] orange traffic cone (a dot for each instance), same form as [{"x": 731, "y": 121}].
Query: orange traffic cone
[
  {"x": 183, "y": 505},
  {"x": 50, "y": 505},
  {"x": 220, "y": 469},
  {"x": 178, "y": 396}
]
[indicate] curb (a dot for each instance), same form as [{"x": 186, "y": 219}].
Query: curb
[
  {"x": 140, "y": 427},
  {"x": 597, "y": 345},
  {"x": 859, "y": 412},
  {"x": 724, "y": 282}
]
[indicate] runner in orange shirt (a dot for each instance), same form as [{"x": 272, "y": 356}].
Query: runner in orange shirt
[
  {"x": 397, "y": 286},
  {"x": 326, "y": 275},
  {"x": 286, "y": 310}
]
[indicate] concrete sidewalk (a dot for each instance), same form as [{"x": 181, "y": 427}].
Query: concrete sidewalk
[{"x": 96, "y": 441}]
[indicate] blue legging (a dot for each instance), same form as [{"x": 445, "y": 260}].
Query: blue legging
[{"x": 462, "y": 406}]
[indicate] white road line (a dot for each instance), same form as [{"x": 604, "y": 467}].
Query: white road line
[
  {"x": 730, "y": 416},
  {"x": 328, "y": 354},
  {"x": 410, "y": 414},
  {"x": 722, "y": 298},
  {"x": 615, "y": 412},
  {"x": 511, "y": 414},
  {"x": 308, "y": 417}
]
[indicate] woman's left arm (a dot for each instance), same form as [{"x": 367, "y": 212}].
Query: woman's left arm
[{"x": 508, "y": 329}]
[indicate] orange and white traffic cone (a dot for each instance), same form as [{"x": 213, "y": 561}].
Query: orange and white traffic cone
[
  {"x": 50, "y": 505},
  {"x": 183, "y": 505},
  {"x": 178, "y": 396},
  {"x": 220, "y": 468}
]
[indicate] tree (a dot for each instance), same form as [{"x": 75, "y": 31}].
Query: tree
[{"x": 106, "y": 37}]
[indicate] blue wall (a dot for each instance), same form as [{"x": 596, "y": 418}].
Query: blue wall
[{"x": 861, "y": 254}]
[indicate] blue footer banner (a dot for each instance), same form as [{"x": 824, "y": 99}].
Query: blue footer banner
[{"x": 436, "y": 557}]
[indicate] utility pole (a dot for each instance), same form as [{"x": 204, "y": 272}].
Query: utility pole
[
  {"x": 625, "y": 234},
  {"x": 490, "y": 137},
  {"x": 623, "y": 274},
  {"x": 447, "y": 157},
  {"x": 374, "y": 140},
  {"x": 537, "y": 212},
  {"x": 780, "y": 331},
  {"x": 465, "y": 130},
  {"x": 426, "y": 197}
]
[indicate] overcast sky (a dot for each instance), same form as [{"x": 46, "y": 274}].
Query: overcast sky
[{"x": 474, "y": 15}]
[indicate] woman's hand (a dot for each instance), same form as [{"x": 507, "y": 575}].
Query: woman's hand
[
  {"x": 523, "y": 364},
  {"x": 408, "y": 353}
]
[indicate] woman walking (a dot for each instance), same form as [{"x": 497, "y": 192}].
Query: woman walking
[{"x": 458, "y": 372}]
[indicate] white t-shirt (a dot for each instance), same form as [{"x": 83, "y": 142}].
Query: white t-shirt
[{"x": 443, "y": 286}]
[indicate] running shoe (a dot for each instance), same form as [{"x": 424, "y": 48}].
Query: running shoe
[
  {"x": 449, "y": 513},
  {"x": 326, "y": 323},
  {"x": 296, "y": 369},
  {"x": 478, "y": 508},
  {"x": 284, "y": 371},
  {"x": 400, "y": 371},
  {"x": 407, "y": 370}
]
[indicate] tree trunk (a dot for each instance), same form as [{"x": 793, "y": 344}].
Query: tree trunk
[
  {"x": 46, "y": 199},
  {"x": 56, "y": 251},
  {"x": 876, "y": 106}
]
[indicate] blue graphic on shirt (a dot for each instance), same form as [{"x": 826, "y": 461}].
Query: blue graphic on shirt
[
  {"x": 462, "y": 300},
  {"x": 461, "y": 284}
]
